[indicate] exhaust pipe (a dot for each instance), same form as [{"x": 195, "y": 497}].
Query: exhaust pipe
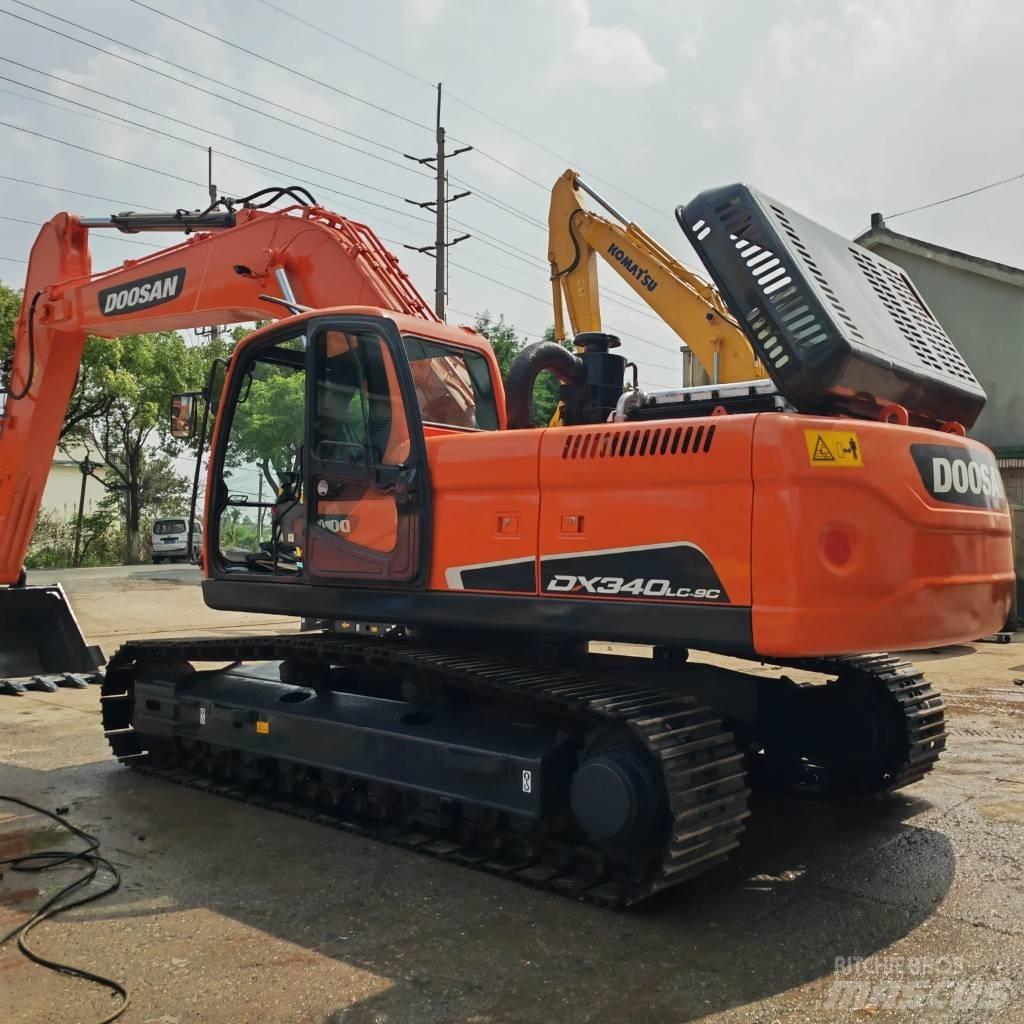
[{"x": 41, "y": 644}]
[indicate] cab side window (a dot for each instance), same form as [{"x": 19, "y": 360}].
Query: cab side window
[
  {"x": 360, "y": 419},
  {"x": 453, "y": 385}
]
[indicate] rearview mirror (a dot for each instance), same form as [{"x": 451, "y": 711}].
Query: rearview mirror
[{"x": 183, "y": 414}]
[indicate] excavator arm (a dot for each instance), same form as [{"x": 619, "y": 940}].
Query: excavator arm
[
  {"x": 689, "y": 305},
  {"x": 251, "y": 265}
]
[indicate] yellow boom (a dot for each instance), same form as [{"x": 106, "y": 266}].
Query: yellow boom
[{"x": 688, "y": 304}]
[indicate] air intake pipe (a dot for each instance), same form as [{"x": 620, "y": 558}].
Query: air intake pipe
[{"x": 522, "y": 375}]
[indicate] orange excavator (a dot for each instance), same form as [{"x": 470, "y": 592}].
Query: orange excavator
[{"x": 808, "y": 521}]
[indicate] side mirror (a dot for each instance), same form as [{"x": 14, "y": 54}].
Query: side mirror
[{"x": 183, "y": 414}]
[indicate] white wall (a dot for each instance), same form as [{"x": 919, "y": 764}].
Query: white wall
[{"x": 64, "y": 486}]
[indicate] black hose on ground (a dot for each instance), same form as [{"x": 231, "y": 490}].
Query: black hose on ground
[
  {"x": 58, "y": 902},
  {"x": 522, "y": 375}
]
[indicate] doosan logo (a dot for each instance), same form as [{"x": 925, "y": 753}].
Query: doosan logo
[
  {"x": 960, "y": 476},
  {"x": 142, "y": 294}
]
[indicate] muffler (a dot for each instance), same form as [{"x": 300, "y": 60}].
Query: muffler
[{"x": 41, "y": 644}]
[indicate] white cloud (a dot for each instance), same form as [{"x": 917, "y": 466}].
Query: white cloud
[
  {"x": 688, "y": 45},
  {"x": 604, "y": 54},
  {"x": 869, "y": 105},
  {"x": 423, "y": 11}
]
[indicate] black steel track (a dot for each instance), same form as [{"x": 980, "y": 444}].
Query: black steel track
[
  {"x": 915, "y": 709},
  {"x": 702, "y": 777}
]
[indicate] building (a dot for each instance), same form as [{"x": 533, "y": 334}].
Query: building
[
  {"x": 64, "y": 486},
  {"x": 980, "y": 303}
]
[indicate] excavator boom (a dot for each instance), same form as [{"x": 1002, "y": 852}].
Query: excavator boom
[
  {"x": 686, "y": 302},
  {"x": 211, "y": 278},
  {"x": 243, "y": 265}
]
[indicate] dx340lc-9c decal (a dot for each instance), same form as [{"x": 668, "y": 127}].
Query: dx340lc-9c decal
[
  {"x": 676, "y": 571},
  {"x": 613, "y": 586}
]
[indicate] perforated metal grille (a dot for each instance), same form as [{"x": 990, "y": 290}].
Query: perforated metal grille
[
  {"x": 815, "y": 271},
  {"x": 646, "y": 441},
  {"x": 768, "y": 272},
  {"x": 923, "y": 333}
]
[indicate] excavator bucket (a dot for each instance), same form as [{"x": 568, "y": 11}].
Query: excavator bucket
[{"x": 41, "y": 643}]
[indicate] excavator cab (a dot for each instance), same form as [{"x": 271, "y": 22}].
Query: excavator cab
[{"x": 318, "y": 460}]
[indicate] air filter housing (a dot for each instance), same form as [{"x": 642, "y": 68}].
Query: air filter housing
[{"x": 832, "y": 321}]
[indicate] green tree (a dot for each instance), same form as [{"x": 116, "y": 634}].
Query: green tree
[
  {"x": 86, "y": 400},
  {"x": 134, "y": 376},
  {"x": 10, "y": 304},
  {"x": 268, "y": 426},
  {"x": 268, "y": 423},
  {"x": 507, "y": 343}
]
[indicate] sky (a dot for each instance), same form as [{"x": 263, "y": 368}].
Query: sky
[{"x": 836, "y": 108}]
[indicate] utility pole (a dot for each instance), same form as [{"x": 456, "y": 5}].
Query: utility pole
[
  {"x": 441, "y": 245},
  {"x": 259, "y": 514},
  {"x": 86, "y": 467},
  {"x": 210, "y": 187}
]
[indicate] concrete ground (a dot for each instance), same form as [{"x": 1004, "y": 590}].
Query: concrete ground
[{"x": 232, "y": 914}]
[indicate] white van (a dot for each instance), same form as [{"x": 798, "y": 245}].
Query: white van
[{"x": 169, "y": 539}]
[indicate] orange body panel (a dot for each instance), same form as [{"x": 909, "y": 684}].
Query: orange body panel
[
  {"x": 486, "y": 499},
  {"x": 916, "y": 572},
  {"x": 644, "y": 495},
  {"x": 830, "y": 559}
]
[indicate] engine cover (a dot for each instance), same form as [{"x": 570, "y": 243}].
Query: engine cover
[{"x": 832, "y": 321}]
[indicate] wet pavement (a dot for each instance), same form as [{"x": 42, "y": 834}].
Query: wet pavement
[{"x": 233, "y": 914}]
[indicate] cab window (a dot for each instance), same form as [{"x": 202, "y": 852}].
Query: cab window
[
  {"x": 453, "y": 385},
  {"x": 259, "y": 504},
  {"x": 359, "y": 413}
]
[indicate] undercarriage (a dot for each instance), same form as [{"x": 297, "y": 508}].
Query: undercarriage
[{"x": 605, "y": 778}]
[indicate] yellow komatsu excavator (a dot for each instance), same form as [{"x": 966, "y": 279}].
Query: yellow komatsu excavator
[{"x": 686, "y": 302}]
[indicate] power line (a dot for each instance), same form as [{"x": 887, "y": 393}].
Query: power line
[
  {"x": 227, "y": 156},
  {"x": 105, "y": 156},
  {"x": 486, "y": 196},
  {"x": 11, "y": 259},
  {"x": 84, "y": 195},
  {"x": 322, "y": 84},
  {"x": 208, "y": 92},
  {"x": 501, "y": 205},
  {"x": 277, "y": 64},
  {"x": 52, "y": 106},
  {"x": 959, "y": 195},
  {"x": 458, "y": 99},
  {"x": 344, "y": 42},
  {"x": 102, "y": 238},
  {"x": 173, "y": 120}
]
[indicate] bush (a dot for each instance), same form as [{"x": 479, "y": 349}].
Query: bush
[{"x": 53, "y": 542}]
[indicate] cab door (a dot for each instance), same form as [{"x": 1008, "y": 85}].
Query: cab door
[{"x": 366, "y": 483}]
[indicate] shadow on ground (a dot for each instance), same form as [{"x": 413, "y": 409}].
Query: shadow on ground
[{"x": 811, "y": 882}]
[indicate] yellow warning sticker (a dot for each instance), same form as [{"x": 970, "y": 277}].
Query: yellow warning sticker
[
  {"x": 263, "y": 728},
  {"x": 838, "y": 448}
]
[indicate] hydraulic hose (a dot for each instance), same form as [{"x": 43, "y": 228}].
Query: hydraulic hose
[{"x": 522, "y": 375}]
